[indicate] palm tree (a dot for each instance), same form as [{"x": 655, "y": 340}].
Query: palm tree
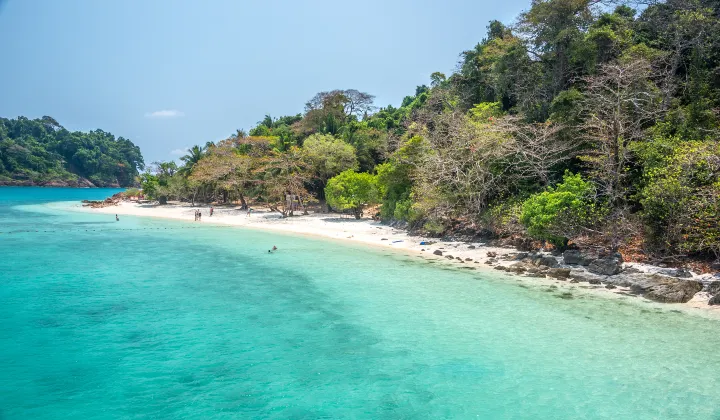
[{"x": 194, "y": 155}]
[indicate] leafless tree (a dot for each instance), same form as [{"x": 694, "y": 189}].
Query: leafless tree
[
  {"x": 352, "y": 102},
  {"x": 472, "y": 163},
  {"x": 619, "y": 103},
  {"x": 457, "y": 176},
  {"x": 358, "y": 103},
  {"x": 536, "y": 148}
]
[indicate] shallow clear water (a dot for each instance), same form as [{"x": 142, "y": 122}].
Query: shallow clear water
[{"x": 149, "y": 318}]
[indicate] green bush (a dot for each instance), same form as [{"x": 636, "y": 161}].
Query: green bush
[
  {"x": 395, "y": 180},
  {"x": 681, "y": 199},
  {"x": 503, "y": 217},
  {"x": 352, "y": 190},
  {"x": 434, "y": 227},
  {"x": 557, "y": 213}
]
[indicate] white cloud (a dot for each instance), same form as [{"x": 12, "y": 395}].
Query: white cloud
[
  {"x": 179, "y": 152},
  {"x": 165, "y": 113}
]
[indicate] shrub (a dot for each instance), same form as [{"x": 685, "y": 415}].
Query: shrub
[
  {"x": 395, "y": 180},
  {"x": 560, "y": 212},
  {"x": 503, "y": 217},
  {"x": 434, "y": 227},
  {"x": 352, "y": 190},
  {"x": 681, "y": 199}
]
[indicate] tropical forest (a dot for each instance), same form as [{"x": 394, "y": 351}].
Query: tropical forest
[{"x": 42, "y": 152}]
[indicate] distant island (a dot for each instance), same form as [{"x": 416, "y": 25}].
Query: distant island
[{"x": 41, "y": 152}]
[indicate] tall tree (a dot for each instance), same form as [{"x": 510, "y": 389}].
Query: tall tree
[{"x": 193, "y": 156}]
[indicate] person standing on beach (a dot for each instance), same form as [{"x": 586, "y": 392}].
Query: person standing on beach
[
  {"x": 212, "y": 210},
  {"x": 195, "y": 210},
  {"x": 199, "y": 216}
]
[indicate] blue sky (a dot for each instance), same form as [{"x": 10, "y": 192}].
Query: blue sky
[{"x": 168, "y": 74}]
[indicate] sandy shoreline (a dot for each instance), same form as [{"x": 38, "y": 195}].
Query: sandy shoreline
[{"x": 333, "y": 226}]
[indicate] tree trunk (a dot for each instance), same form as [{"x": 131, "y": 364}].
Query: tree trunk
[
  {"x": 243, "y": 203},
  {"x": 283, "y": 213}
]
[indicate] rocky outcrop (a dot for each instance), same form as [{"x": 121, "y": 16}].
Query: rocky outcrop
[
  {"x": 666, "y": 289},
  {"x": 546, "y": 260},
  {"x": 539, "y": 266},
  {"x": 713, "y": 287},
  {"x": 437, "y": 252},
  {"x": 110, "y": 201},
  {"x": 517, "y": 268},
  {"x": 575, "y": 257},
  {"x": 607, "y": 266},
  {"x": 683, "y": 273},
  {"x": 715, "y": 300},
  {"x": 559, "y": 273}
]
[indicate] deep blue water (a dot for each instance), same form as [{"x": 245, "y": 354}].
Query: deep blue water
[{"x": 145, "y": 318}]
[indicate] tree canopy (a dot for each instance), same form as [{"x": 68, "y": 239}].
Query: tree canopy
[{"x": 42, "y": 152}]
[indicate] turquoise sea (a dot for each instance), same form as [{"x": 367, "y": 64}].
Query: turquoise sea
[{"x": 145, "y": 318}]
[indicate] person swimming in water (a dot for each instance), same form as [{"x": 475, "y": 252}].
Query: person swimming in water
[
  {"x": 274, "y": 248},
  {"x": 117, "y": 219}
]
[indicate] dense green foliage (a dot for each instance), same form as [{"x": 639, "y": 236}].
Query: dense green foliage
[
  {"x": 625, "y": 99},
  {"x": 555, "y": 213},
  {"x": 681, "y": 198},
  {"x": 42, "y": 152},
  {"x": 351, "y": 190},
  {"x": 329, "y": 156}
]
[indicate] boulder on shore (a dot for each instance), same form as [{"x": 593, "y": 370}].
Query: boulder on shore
[
  {"x": 608, "y": 266},
  {"x": 559, "y": 273},
  {"x": 517, "y": 268},
  {"x": 437, "y": 252},
  {"x": 575, "y": 257},
  {"x": 715, "y": 300},
  {"x": 713, "y": 287},
  {"x": 546, "y": 260},
  {"x": 667, "y": 289}
]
